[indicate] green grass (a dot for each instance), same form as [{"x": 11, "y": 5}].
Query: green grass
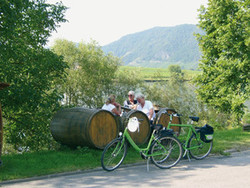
[
  {"x": 48, "y": 162},
  {"x": 25, "y": 165},
  {"x": 157, "y": 73},
  {"x": 235, "y": 139}
]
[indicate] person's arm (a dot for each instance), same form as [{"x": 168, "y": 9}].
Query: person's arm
[
  {"x": 125, "y": 103},
  {"x": 151, "y": 113},
  {"x": 134, "y": 106},
  {"x": 151, "y": 110},
  {"x": 117, "y": 110}
]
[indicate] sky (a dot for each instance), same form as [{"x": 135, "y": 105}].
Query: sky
[{"x": 106, "y": 21}]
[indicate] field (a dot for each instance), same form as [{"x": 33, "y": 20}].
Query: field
[{"x": 158, "y": 73}]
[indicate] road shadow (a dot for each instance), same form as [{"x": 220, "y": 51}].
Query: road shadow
[{"x": 138, "y": 176}]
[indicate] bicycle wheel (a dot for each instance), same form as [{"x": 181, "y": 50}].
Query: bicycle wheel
[
  {"x": 113, "y": 154},
  {"x": 166, "y": 152},
  {"x": 200, "y": 149}
]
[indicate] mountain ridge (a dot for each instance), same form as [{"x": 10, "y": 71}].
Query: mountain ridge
[{"x": 158, "y": 47}]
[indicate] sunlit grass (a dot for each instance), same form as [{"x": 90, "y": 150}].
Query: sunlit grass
[{"x": 48, "y": 162}]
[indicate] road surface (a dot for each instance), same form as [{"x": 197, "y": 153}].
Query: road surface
[{"x": 215, "y": 171}]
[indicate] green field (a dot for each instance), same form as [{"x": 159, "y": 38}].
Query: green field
[{"x": 158, "y": 73}]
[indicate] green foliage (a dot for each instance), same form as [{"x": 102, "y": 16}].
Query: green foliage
[
  {"x": 224, "y": 82},
  {"x": 175, "y": 94},
  {"x": 32, "y": 71},
  {"x": 176, "y": 75},
  {"x": 157, "y": 73},
  {"x": 218, "y": 120},
  {"x": 174, "y": 69},
  {"x": 179, "y": 94},
  {"x": 246, "y": 118},
  {"x": 91, "y": 73},
  {"x": 124, "y": 82}
]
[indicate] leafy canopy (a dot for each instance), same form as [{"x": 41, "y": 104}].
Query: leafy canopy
[
  {"x": 32, "y": 70},
  {"x": 224, "y": 82},
  {"x": 90, "y": 75}
]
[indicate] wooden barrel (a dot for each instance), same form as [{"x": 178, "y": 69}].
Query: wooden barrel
[
  {"x": 140, "y": 137},
  {"x": 163, "y": 118},
  {"x": 84, "y": 127}
]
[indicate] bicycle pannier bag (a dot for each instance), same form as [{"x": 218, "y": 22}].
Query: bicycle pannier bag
[
  {"x": 206, "y": 133},
  {"x": 168, "y": 132}
]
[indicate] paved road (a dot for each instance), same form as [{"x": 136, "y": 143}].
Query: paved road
[{"x": 217, "y": 171}]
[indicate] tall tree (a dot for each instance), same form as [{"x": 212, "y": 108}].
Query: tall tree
[
  {"x": 91, "y": 73},
  {"x": 32, "y": 70},
  {"x": 224, "y": 82}
]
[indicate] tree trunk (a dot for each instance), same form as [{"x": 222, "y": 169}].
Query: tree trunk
[{"x": 1, "y": 134}]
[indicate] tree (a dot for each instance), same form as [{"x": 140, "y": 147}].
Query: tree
[
  {"x": 124, "y": 82},
  {"x": 174, "y": 93},
  {"x": 224, "y": 82},
  {"x": 174, "y": 69},
  {"x": 176, "y": 75},
  {"x": 91, "y": 74},
  {"x": 32, "y": 70}
]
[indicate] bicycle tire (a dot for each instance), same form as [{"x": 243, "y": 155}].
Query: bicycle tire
[
  {"x": 168, "y": 156},
  {"x": 113, "y": 154},
  {"x": 202, "y": 151}
]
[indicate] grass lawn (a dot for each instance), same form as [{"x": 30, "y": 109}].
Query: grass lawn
[{"x": 25, "y": 165}]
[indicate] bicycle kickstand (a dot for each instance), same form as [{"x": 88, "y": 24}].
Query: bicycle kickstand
[
  {"x": 186, "y": 153},
  {"x": 188, "y": 156},
  {"x": 148, "y": 164}
]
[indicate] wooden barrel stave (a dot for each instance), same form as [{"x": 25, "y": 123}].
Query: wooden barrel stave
[
  {"x": 143, "y": 135},
  {"x": 83, "y": 126},
  {"x": 162, "y": 118}
]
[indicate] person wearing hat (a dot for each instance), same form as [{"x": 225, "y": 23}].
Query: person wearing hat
[
  {"x": 112, "y": 106},
  {"x": 131, "y": 102}
]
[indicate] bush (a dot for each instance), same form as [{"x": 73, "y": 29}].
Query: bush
[{"x": 246, "y": 118}]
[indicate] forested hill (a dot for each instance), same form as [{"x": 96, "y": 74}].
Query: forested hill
[{"x": 159, "y": 47}]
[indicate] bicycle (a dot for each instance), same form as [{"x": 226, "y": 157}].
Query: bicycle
[
  {"x": 164, "y": 150},
  {"x": 199, "y": 140}
]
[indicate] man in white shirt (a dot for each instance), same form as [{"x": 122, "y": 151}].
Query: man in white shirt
[{"x": 145, "y": 106}]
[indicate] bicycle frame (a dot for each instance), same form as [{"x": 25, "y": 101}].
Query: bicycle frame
[
  {"x": 136, "y": 147},
  {"x": 191, "y": 130},
  {"x": 163, "y": 149}
]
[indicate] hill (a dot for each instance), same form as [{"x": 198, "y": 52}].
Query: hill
[{"x": 159, "y": 47}]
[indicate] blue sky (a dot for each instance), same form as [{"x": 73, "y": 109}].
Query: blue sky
[{"x": 106, "y": 21}]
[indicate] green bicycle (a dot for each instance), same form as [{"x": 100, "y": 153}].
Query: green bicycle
[
  {"x": 199, "y": 140},
  {"x": 164, "y": 150}
]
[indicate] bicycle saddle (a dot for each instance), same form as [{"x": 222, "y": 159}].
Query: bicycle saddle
[{"x": 194, "y": 118}]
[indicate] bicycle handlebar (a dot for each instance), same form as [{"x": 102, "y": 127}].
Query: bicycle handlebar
[
  {"x": 173, "y": 114},
  {"x": 125, "y": 108}
]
